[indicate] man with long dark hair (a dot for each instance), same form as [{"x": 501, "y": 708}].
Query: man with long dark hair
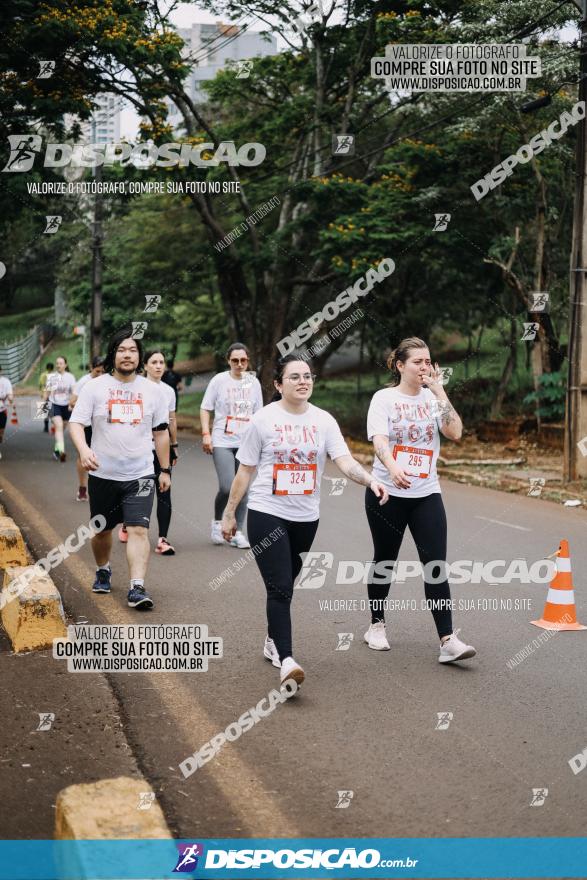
[{"x": 125, "y": 412}]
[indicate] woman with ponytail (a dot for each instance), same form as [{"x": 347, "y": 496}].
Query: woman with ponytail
[{"x": 404, "y": 422}]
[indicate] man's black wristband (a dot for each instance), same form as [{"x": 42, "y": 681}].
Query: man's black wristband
[{"x": 165, "y": 471}]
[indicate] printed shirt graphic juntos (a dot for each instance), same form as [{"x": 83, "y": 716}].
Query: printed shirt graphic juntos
[
  {"x": 233, "y": 402},
  {"x": 60, "y": 386},
  {"x": 122, "y": 416},
  {"x": 411, "y": 424},
  {"x": 289, "y": 451}
]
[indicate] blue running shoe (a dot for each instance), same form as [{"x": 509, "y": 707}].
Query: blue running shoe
[
  {"x": 138, "y": 598},
  {"x": 102, "y": 583}
]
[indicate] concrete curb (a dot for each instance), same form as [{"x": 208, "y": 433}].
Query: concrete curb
[
  {"x": 32, "y": 613},
  {"x": 109, "y": 810},
  {"x": 12, "y": 546}
]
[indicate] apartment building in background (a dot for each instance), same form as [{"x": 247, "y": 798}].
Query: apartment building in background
[
  {"x": 104, "y": 125},
  {"x": 212, "y": 46}
]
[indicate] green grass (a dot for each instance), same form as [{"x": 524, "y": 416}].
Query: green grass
[
  {"x": 189, "y": 404},
  {"x": 13, "y": 327}
]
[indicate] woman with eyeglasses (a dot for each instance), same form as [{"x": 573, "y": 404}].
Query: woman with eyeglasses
[
  {"x": 287, "y": 443},
  {"x": 232, "y": 397}
]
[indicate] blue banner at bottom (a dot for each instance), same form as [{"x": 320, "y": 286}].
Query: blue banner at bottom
[{"x": 227, "y": 858}]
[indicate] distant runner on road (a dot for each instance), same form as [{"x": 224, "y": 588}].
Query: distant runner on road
[
  {"x": 82, "y": 475},
  {"x": 42, "y": 385},
  {"x": 154, "y": 364},
  {"x": 6, "y": 399},
  {"x": 404, "y": 422},
  {"x": 232, "y": 397},
  {"x": 287, "y": 443},
  {"x": 58, "y": 390},
  {"x": 125, "y": 411}
]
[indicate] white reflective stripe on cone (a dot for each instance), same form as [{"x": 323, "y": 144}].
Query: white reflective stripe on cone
[
  {"x": 563, "y": 563},
  {"x": 561, "y": 597}
]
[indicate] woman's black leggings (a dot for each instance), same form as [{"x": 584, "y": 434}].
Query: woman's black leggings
[
  {"x": 279, "y": 542},
  {"x": 163, "y": 502},
  {"x": 426, "y": 520}
]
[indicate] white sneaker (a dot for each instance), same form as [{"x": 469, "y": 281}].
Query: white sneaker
[
  {"x": 270, "y": 652},
  {"x": 376, "y": 638},
  {"x": 239, "y": 541},
  {"x": 291, "y": 669},
  {"x": 453, "y": 649},
  {"x": 216, "y": 533}
]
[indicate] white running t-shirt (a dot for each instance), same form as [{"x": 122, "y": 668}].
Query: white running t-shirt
[
  {"x": 233, "y": 402},
  {"x": 289, "y": 451},
  {"x": 81, "y": 382},
  {"x": 122, "y": 416},
  {"x": 411, "y": 423},
  {"x": 60, "y": 387},
  {"x": 168, "y": 396},
  {"x": 5, "y": 391}
]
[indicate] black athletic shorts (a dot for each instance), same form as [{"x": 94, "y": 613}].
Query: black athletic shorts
[
  {"x": 122, "y": 502},
  {"x": 58, "y": 410},
  {"x": 3, "y": 419}
]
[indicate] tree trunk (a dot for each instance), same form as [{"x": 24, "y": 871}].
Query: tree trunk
[{"x": 506, "y": 375}]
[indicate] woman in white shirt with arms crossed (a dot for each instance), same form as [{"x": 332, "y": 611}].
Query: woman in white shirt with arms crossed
[
  {"x": 232, "y": 397},
  {"x": 404, "y": 422},
  {"x": 287, "y": 443}
]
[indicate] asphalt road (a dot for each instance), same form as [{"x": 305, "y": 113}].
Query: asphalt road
[{"x": 364, "y": 721}]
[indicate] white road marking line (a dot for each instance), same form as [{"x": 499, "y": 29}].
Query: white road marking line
[{"x": 500, "y": 523}]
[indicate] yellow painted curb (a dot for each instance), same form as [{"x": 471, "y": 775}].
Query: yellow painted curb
[
  {"x": 32, "y": 613},
  {"x": 109, "y": 810},
  {"x": 12, "y": 547}
]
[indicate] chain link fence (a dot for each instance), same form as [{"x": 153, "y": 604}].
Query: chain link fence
[{"x": 16, "y": 358}]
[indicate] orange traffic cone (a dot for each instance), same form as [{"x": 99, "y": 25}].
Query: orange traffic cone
[
  {"x": 560, "y": 612},
  {"x": 14, "y": 419}
]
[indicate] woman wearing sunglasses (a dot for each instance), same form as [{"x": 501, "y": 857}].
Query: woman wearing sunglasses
[
  {"x": 231, "y": 398},
  {"x": 287, "y": 443}
]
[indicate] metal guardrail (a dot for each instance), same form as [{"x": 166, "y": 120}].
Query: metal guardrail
[{"x": 17, "y": 357}]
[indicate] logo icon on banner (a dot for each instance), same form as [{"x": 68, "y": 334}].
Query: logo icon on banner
[
  {"x": 530, "y": 331},
  {"x": 53, "y": 224},
  {"x": 145, "y": 487},
  {"x": 444, "y": 719},
  {"x": 46, "y": 719},
  {"x": 138, "y": 329},
  {"x": 187, "y": 860},
  {"x": 539, "y": 795},
  {"x": 152, "y": 301},
  {"x": 314, "y": 570},
  {"x": 338, "y": 485},
  {"x": 539, "y": 302},
  {"x": 243, "y": 69},
  {"x": 344, "y": 800},
  {"x": 41, "y": 409},
  {"x": 23, "y": 151},
  {"x": 314, "y": 11},
  {"x": 344, "y": 641},
  {"x": 146, "y": 799},
  {"x": 441, "y": 222},
  {"x": 46, "y": 69},
  {"x": 536, "y": 486},
  {"x": 343, "y": 145}
]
